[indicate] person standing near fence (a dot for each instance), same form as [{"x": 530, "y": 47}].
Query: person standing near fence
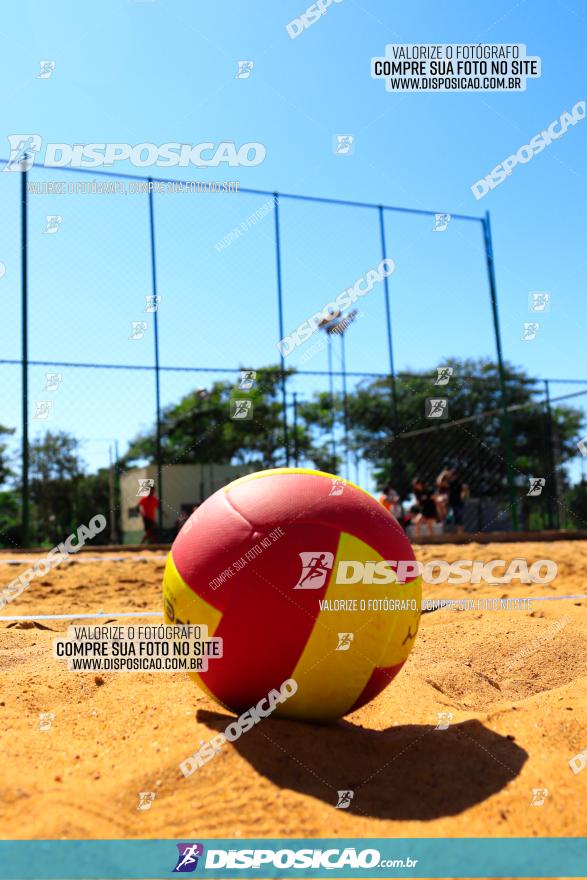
[
  {"x": 456, "y": 498},
  {"x": 425, "y": 512},
  {"x": 390, "y": 499},
  {"x": 442, "y": 496},
  {"x": 148, "y": 506}
]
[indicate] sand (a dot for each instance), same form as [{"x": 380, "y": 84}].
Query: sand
[{"x": 514, "y": 682}]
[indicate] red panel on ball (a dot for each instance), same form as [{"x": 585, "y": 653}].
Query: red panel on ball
[
  {"x": 267, "y": 501},
  {"x": 267, "y": 623},
  {"x": 214, "y": 536}
]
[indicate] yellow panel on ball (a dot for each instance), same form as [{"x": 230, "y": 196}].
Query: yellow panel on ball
[{"x": 332, "y": 678}]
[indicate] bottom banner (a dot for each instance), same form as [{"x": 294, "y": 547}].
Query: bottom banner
[{"x": 335, "y": 858}]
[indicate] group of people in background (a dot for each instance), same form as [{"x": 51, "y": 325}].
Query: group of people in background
[
  {"x": 428, "y": 505},
  {"x": 425, "y": 507}
]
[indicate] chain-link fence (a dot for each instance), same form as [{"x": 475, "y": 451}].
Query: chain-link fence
[{"x": 133, "y": 309}]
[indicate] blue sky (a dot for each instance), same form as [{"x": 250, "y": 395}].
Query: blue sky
[{"x": 164, "y": 71}]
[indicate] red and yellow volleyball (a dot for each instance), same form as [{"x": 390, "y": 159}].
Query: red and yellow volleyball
[{"x": 257, "y": 564}]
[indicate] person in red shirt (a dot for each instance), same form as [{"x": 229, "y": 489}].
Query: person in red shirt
[
  {"x": 148, "y": 507},
  {"x": 391, "y": 501}
]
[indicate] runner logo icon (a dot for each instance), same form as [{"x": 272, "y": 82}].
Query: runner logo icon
[
  {"x": 315, "y": 568},
  {"x": 188, "y": 855}
]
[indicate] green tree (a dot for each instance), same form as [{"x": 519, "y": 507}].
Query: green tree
[
  {"x": 9, "y": 508},
  {"x": 417, "y": 446},
  {"x": 10, "y": 525},
  {"x": 63, "y": 495},
  {"x": 5, "y": 469},
  {"x": 575, "y": 501},
  {"x": 199, "y": 429},
  {"x": 55, "y": 473}
]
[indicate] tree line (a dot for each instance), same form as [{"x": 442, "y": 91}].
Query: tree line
[{"x": 376, "y": 423}]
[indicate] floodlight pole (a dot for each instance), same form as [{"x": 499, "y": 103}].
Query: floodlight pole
[
  {"x": 332, "y": 403},
  {"x": 25, "y": 513},
  {"x": 281, "y": 331},
  {"x": 504, "y": 400},
  {"x": 157, "y": 371}
]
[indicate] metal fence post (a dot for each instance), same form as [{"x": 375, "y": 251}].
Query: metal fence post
[
  {"x": 345, "y": 407},
  {"x": 553, "y": 494},
  {"x": 281, "y": 332},
  {"x": 295, "y": 430},
  {"x": 157, "y": 371},
  {"x": 25, "y": 511},
  {"x": 507, "y": 433}
]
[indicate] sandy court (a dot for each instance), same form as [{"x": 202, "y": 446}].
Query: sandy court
[{"x": 514, "y": 682}]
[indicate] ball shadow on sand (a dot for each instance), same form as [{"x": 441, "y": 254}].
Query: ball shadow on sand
[{"x": 406, "y": 772}]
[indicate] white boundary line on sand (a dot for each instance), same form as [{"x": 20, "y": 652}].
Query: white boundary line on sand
[
  {"x": 23, "y": 560},
  {"x": 159, "y": 613},
  {"x": 85, "y": 616}
]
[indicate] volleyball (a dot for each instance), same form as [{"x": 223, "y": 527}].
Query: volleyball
[{"x": 304, "y": 576}]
